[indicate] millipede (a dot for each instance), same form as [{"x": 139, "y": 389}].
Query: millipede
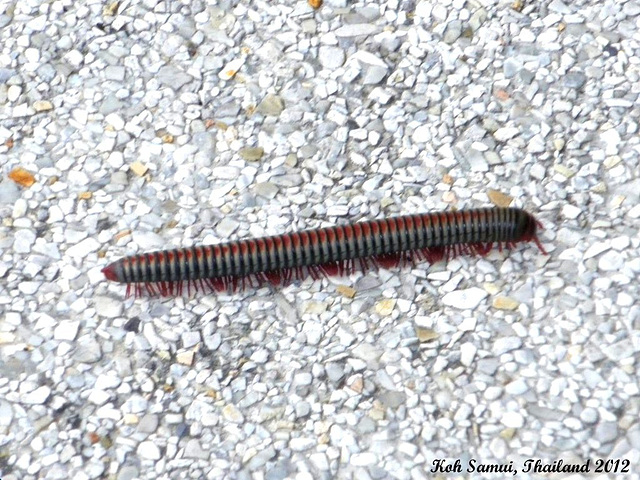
[{"x": 337, "y": 250}]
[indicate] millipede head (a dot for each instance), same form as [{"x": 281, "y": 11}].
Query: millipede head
[
  {"x": 114, "y": 272},
  {"x": 527, "y": 230}
]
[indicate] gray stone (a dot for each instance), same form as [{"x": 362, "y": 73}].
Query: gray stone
[
  {"x": 87, "y": 350},
  {"x": 173, "y": 77},
  {"x": 392, "y": 399},
  {"x": 574, "y": 80},
  {"x": 128, "y": 472},
  {"x": 452, "y": 32},
  {"x": 271, "y": 105},
  {"x": 606, "y": 432},
  {"x": 148, "y": 423}
]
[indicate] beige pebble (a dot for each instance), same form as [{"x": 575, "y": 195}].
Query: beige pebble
[
  {"x": 130, "y": 419},
  {"x": 499, "y": 199},
  {"x": 385, "y": 307},
  {"x": 505, "y": 303},
  {"x": 251, "y": 154},
  {"x": 42, "y": 105},
  {"x": 426, "y": 334},
  {"x": 377, "y": 411},
  {"x": 186, "y": 358},
  {"x": 564, "y": 171},
  {"x": 232, "y": 414},
  {"x": 315, "y": 308},
  {"x": 612, "y": 161},
  {"x": 558, "y": 144},
  {"x": 508, "y": 433},
  {"x": 138, "y": 168},
  {"x": 449, "y": 197},
  {"x": 111, "y": 9},
  {"x": 357, "y": 385},
  {"x": 491, "y": 288},
  {"x": 617, "y": 201},
  {"x": 346, "y": 291}
]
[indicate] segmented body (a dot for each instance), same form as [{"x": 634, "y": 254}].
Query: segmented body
[{"x": 333, "y": 250}]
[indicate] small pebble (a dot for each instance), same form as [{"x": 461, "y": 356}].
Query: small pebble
[{"x": 465, "y": 299}]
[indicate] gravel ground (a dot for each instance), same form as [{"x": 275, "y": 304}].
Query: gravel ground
[{"x": 149, "y": 124}]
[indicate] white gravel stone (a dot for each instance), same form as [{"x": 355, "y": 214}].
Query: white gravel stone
[
  {"x": 571, "y": 211},
  {"x": 66, "y": 330},
  {"x": 230, "y": 69},
  {"x": 611, "y": 138},
  {"x": 148, "y": 450},
  {"x": 23, "y": 241},
  {"x": 506, "y": 133},
  {"x": 338, "y": 210},
  {"x": 517, "y": 387},
  {"x": 512, "y": 420},
  {"x": 331, "y": 57},
  {"x": 302, "y": 444},
  {"x": 226, "y": 227},
  {"x": 38, "y": 396},
  {"x": 115, "y": 121},
  {"x": 356, "y": 30},
  {"x": 465, "y": 299},
  {"x": 611, "y": 261},
  {"x": 108, "y": 307},
  {"x": 506, "y": 344},
  {"x": 596, "y": 249},
  {"x": 99, "y": 397},
  {"x": 148, "y": 240},
  {"x": 467, "y": 353},
  {"x": 83, "y": 248},
  {"x": 363, "y": 459}
]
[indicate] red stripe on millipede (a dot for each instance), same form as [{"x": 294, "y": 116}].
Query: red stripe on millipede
[
  {"x": 162, "y": 259},
  {"x": 331, "y": 235},
  {"x": 268, "y": 242},
  {"x": 260, "y": 247},
  {"x": 279, "y": 251},
  {"x": 365, "y": 236},
  {"x": 309, "y": 240},
  {"x": 402, "y": 232},
  {"x": 313, "y": 236}
]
